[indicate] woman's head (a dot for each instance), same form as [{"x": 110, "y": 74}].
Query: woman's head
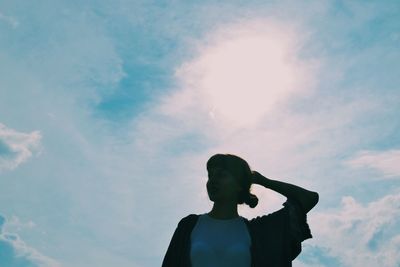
[{"x": 230, "y": 178}]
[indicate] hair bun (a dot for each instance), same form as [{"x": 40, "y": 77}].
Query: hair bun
[{"x": 252, "y": 200}]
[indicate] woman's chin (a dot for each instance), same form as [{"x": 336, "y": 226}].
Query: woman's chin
[{"x": 212, "y": 197}]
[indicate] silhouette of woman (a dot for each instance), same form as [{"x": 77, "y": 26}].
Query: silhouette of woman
[{"x": 222, "y": 237}]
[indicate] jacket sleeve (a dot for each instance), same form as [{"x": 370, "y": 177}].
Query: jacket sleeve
[
  {"x": 277, "y": 236},
  {"x": 171, "y": 256},
  {"x": 299, "y": 229}
]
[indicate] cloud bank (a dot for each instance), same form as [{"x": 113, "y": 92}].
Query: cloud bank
[{"x": 358, "y": 234}]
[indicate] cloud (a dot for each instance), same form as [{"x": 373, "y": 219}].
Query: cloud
[
  {"x": 9, "y": 20},
  {"x": 16, "y": 253},
  {"x": 242, "y": 71},
  {"x": 15, "y": 223},
  {"x": 17, "y": 147},
  {"x": 240, "y": 80},
  {"x": 358, "y": 234},
  {"x": 387, "y": 162}
]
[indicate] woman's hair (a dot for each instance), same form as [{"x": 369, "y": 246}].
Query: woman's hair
[{"x": 240, "y": 169}]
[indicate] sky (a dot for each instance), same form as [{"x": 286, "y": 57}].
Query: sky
[{"x": 109, "y": 111}]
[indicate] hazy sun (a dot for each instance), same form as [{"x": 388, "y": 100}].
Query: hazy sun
[{"x": 246, "y": 69}]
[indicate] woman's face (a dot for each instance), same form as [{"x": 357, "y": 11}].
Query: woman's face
[{"x": 222, "y": 185}]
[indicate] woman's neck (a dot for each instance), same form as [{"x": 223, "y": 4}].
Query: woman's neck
[{"x": 224, "y": 211}]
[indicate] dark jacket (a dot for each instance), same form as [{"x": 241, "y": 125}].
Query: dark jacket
[{"x": 275, "y": 238}]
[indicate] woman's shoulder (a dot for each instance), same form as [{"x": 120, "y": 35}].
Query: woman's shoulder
[{"x": 188, "y": 219}]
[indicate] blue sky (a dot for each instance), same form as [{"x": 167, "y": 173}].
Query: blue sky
[{"x": 109, "y": 111}]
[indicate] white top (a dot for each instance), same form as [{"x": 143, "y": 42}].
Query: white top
[{"x": 220, "y": 243}]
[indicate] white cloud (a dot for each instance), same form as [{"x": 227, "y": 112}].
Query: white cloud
[
  {"x": 9, "y": 20},
  {"x": 235, "y": 87},
  {"x": 358, "y": 234},
  {"x": 17, "y": 253},
  {"x": 242, "y": 71},
  {"x": 387, "y": 162},
  {"x": 16, "y": 147},
  {"x": 14, "y": 224}
]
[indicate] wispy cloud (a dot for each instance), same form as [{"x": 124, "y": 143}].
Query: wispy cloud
[
  {"x": 16, "y": 147},
  {"x": 386, "y": 162},
  {"x": 15, "y": 252},
  {"x": 9, "y": 20}
]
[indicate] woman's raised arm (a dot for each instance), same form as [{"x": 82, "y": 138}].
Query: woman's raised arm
[{"x": 307, "y": 199}]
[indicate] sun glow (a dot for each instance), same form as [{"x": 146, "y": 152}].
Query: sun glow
[{"x": 246, "y": 70}]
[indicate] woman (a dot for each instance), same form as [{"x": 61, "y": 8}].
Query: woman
[{"x": 223, "y": 238}]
